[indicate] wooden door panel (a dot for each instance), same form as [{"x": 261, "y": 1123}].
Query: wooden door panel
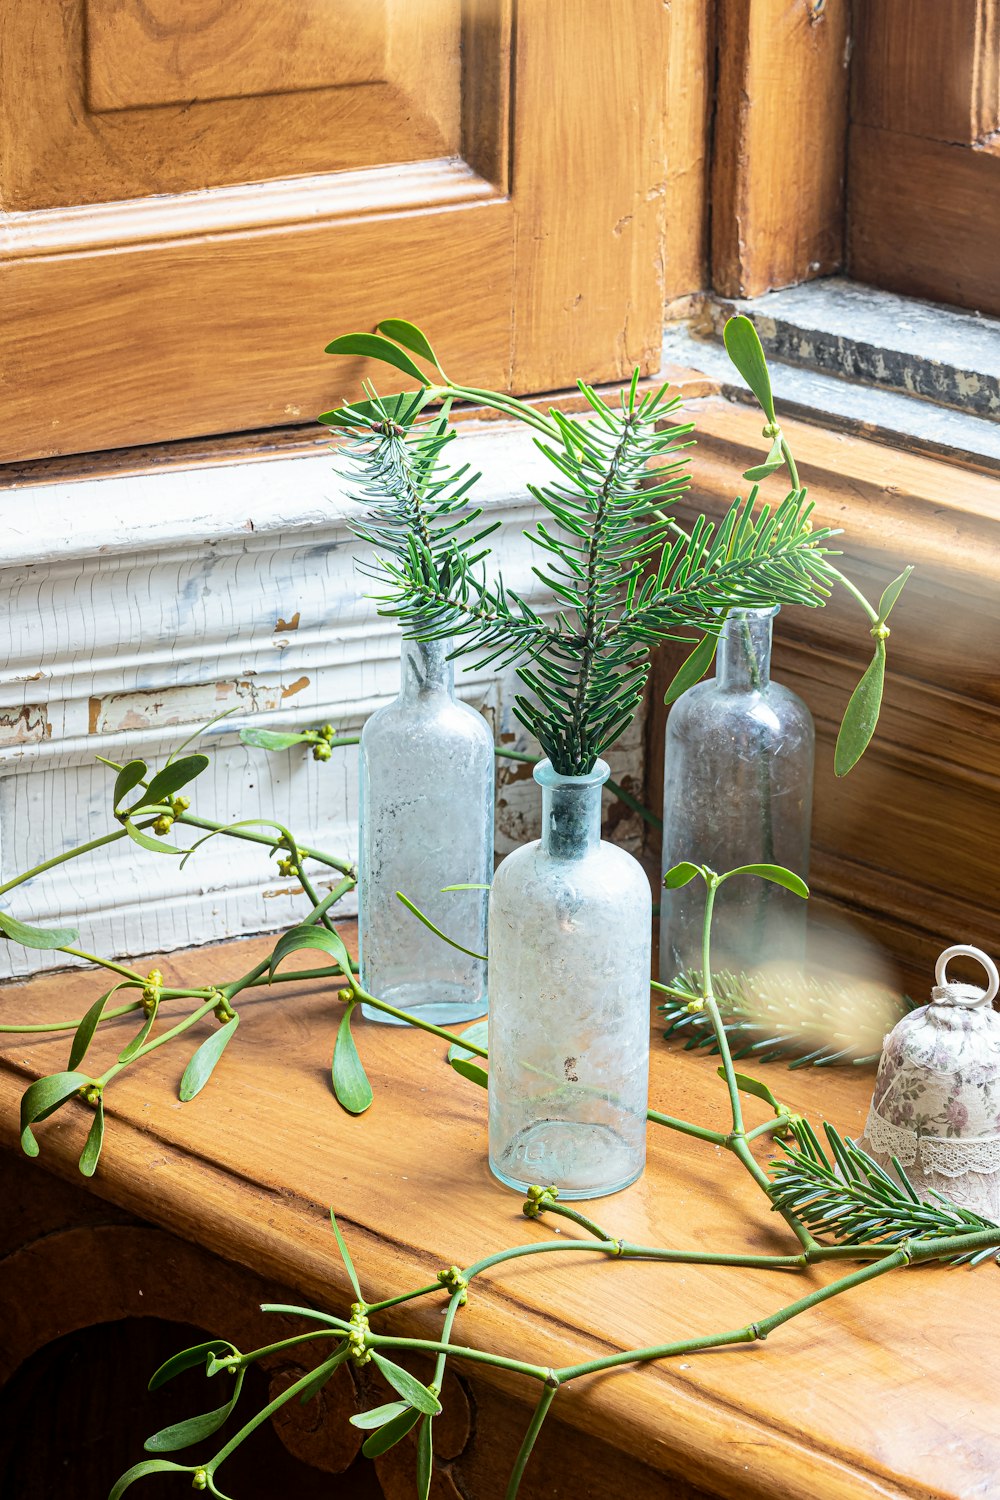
[
  {"x": 924, "y": 174},
  {"x": 260, "y": 304},
  {"x": 111, "y": 105},
  {"x": 170, "y": 269},
  {"x": 925, "y": 218},
  {"x": 147, "y": 52},
  {"x": 923, "y": 68}
]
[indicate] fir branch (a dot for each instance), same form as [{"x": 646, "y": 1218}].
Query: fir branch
[
  {"x": 410, "y": 493},
  {"x": 748, "y": 562},
  {"x": 847, "y": 1195},
  {"x": 623, "y": 573},
  {"x": 761, "y": 1018}
]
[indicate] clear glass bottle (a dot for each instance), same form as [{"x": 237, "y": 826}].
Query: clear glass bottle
[
  {"x": 426, "y": 821},
  {"x": 570, "y": 941},
  {"x": 737, "y": 790}
]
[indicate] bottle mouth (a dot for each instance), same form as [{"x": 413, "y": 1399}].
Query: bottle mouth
[
  {"x": 547, "y": 775},
  {"x": 754, "y": 614}
]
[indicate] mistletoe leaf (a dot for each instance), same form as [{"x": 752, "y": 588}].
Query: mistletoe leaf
[
  {"x": 147, "y": 1466},
  {"x": 746, "y": 352},
  {"x": 379, "y": 1415},
  {"x": 407, "y": 1385},
  {"x": 388, "y": 1436},
  {"x": 374, "y": 346},
  {"x": 146, "y": 841},
  {"x": 478, "y": 1035},
  {"x": 128, "y": 777},
  {"x": 187, "y": 1359},
  {"x": 37, "y": 937},
  {"x": 168, "y": 782},
  {"x": 400, "y": 409},
  {"x": 754, "y": 1086},
  {"x": 776, "y": 874},
  {"x": 861, "y": 714},
  {"x": 131, "y": 1048},
  {"x": 470, "y": 1070},
  {"x": 345, "y": 1256},
  {"x": 891, "y": 594},
  {"x": 772, "y": 462},
  {"x": 42, "y": 1098},
  {"x": 272, "y": 739},
  {"x": 199, "y": 1070},
  {"x": 425, "y": 1459},
  {"x": 693, "y": 668},
  {"x": 411, "y": 337},
  {"x": 350, "y": 1081},
  {"x": 193, "y": 1429},
  {"x": 311, "y": 937},
  {"x": 91, "y": 1153},
  {"x": 84, "y": 1034}
]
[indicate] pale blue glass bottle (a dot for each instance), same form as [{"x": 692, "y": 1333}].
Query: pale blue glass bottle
[
  {"x": 570, "y": 943},
  {"x": 426, "y": 822},
  {"x": 737, "y": 790}
]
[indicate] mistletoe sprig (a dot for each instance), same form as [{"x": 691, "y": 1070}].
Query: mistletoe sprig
[
  {"x": 150, "y": 810},
  {"x": 624, "y": 573},
  {"x": 842, "y": 1207}
]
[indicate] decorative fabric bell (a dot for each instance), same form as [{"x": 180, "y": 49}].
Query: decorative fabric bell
[{"x": 936, "y": 1106}]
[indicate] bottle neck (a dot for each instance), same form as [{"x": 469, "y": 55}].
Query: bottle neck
[
  {"x": 743, "y": 660},
  {"x": 571, "y": 810},
  {"x": 424, "y": 670}
]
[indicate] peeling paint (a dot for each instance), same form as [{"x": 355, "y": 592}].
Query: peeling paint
[
  {"x": 516, "y": 770},
  {"x": 28, "y": 726},
  {"x": 292, "y": 624},
  {"x": 187, "y": 704}
]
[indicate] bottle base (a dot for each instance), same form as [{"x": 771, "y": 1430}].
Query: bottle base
[
  {"x": 440, "y": 1004},
  {"x": 582, "y": 1159}
]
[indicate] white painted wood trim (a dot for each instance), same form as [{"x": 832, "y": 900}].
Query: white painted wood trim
[{"x": 138, "y": 607}]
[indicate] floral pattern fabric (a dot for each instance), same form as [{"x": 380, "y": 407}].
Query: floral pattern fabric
[{"x": 936, "y": 1105}]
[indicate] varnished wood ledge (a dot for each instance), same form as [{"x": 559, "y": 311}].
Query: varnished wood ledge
[{"x": 248, "y": 1170}]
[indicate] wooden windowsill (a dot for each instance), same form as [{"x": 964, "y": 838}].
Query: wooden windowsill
[{"x": 886, "y": 1392}]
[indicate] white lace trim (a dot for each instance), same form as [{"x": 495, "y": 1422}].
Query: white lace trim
[{"x": 948, "y": 1157}]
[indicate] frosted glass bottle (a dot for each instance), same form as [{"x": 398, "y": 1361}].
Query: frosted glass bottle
[
  {"x": 737, "y": 790},
  {"x": 570, "y": 940},
  {"x": 426, "y": 821}
]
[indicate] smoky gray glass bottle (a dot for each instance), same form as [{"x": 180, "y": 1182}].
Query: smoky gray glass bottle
[
  {"x": 426, "y": 822},
  {"x": 570, "y": 941},
  {"x": 738, "y": 779}
]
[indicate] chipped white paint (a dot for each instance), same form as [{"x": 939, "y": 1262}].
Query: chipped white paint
[{"x": 139, "y": 607}]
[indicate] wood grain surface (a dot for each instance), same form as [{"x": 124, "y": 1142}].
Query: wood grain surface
[
  {"x": 690, "y": 101},
  {"x": 925, "y": 217},
  {"x": 927, "y": 69},
  {"x": 176, "y": 51},
  {"x": 924, "y": 177},
  {"x": 888, "y": 1392},
  {"x": 202, "y": 253},
  {"x": 778, "y": 153},
  {"x": 904, "y": 847},
  {"x": 149, "y": 1294}
]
